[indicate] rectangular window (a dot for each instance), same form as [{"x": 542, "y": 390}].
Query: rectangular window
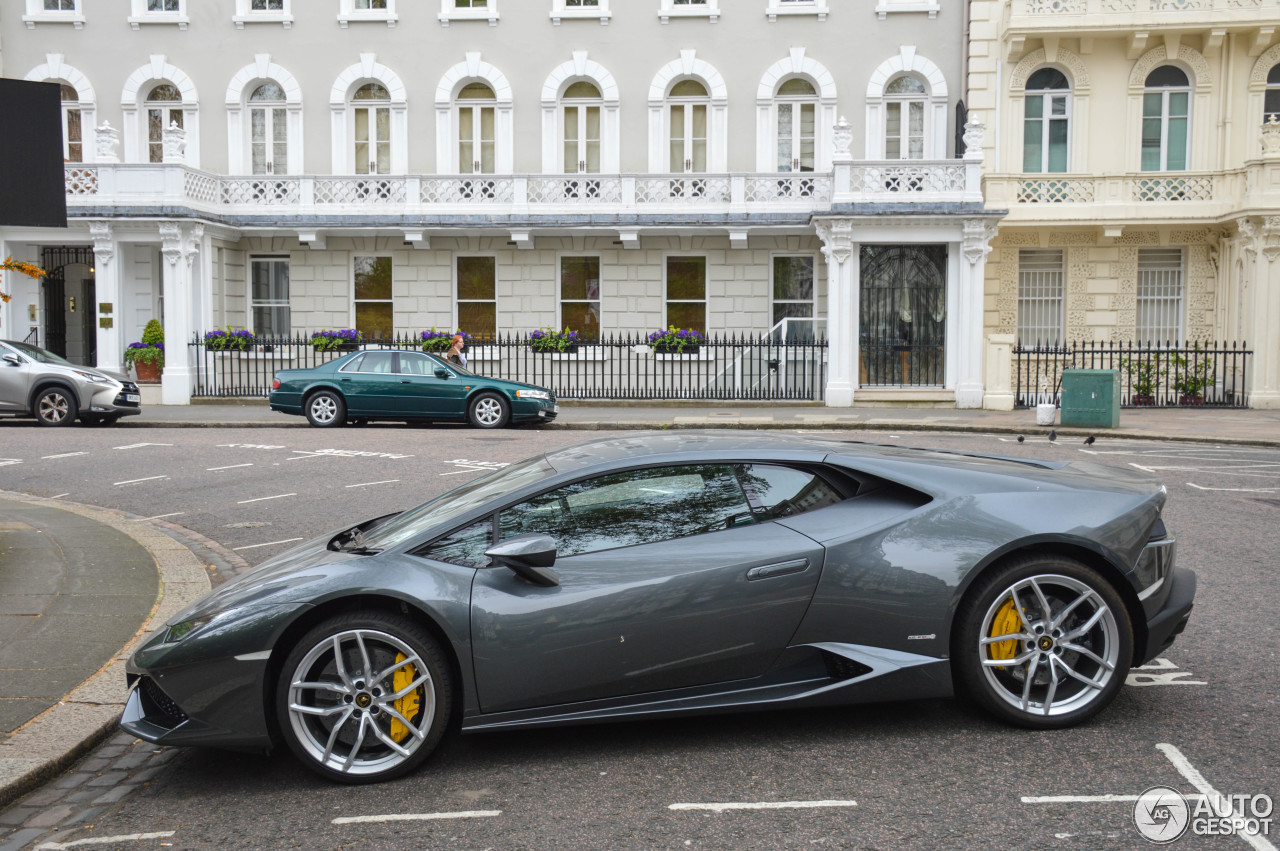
[
  {"x": 1040, "y": 286},
  {"x": 60, "y": 5},
  {"x": 374, "y": 317},
  {"x": 267, "y": 5},
  {"x": 687, "y": 293},
  {"x": 371, "y": 4},
  {"x": 72, "y": 136},
  {"x": 580, "y": 295},
  {"x": 157, "y": 120},
  {"x": 793, "y": 294},
  {"x": 1165, "y": 116},
  {"x": 471, "y": 4},
  {"x": 269, "y": 296},
  {"x": 164, "y": 5},
  {"x": 1160, "y": 287},
  {"x": 478, "y": 296}
]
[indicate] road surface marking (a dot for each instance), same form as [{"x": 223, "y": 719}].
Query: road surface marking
[
  {"x": 135, "y": 481},
  {"x": 63, "y": 455},
  {"x": 1160, "y": 672},
  {"x": 261, "y": 498},
  {"x": 417, "y": 817},
  {"x": 764, "y": 805},
  {"x": 59, "y": 496},
  {"x": 367, "y": 484},
  {"x": 268, "y": 544},
  {"x": 1235, "y": 490},
  {"x": 107, "y": 840},
  {"x": 6, "y": 462},
  {"x": 1090, "y": 799},
  {"x": 1196, "y": 779},
  {"x": 228, "y": 467},
  {"x": 140, "y": 445},
  {"x": 157, "y": 517}
]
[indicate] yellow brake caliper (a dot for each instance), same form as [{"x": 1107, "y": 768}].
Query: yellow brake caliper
[
  {"x": 1005, "y": 622},
  {"x": 408, "y": 705}
]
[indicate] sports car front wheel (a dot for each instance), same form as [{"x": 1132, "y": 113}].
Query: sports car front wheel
[
  {"x": 1043, "y": 642},
  {"x": 364, "y": 697}
]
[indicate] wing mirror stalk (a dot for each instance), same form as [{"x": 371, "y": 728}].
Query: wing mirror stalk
[
  {"x": 13, "y": 360},
  {"x": 529, "y": 557},
  {"x": 441, "y": 372}
]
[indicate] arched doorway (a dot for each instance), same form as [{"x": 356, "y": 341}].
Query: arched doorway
[
  {"x": 70, "y": 304},
  {"x": 903, "y": 315}
]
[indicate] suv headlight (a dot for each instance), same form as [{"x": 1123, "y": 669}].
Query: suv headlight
[{"x": 96, "y": 379}]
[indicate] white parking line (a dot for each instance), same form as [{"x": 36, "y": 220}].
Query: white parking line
[
  {"x": 368, "y": 484},
  {"x": 228, "y": 467},
  {"x": 268, "y": 544},
  {"x": 140, "y": 445},
  {"x": 417, "y": 817},
  {"x": 1090, "y": 799},
  {"x": 135, "y": 481},
  {"x": 8, "y": 462},
  {"x": 63, "y": 455},
  {"x": 59, "y": 496},
  {"x": 157, "y": 517},
  {"x": 763, "y": 805},
  {"x": 261, "y": 498},
  {"x": 1196, "y": 779},
  {"x": 1235, "y": 490},
  {"x": 106, "y": 840}
]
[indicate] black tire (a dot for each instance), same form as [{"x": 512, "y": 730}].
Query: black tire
[
  {"x": 411, "y": 664},
  {"x": 1056, "y": 652},
  {"x": 326, "y": 409},
  {"x": 488, "y": 410},
  {"x": 55, "y": 407}
]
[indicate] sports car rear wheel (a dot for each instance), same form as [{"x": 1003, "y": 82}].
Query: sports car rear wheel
[
  {"x": 364, "y": 697},
  {"x": 1044, "y": 642}
]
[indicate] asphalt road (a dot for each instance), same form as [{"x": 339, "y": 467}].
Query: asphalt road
[{"x": 929, "y": 774}]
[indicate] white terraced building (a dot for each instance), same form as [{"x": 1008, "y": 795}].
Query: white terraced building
[{"x": 614, "y": 166}]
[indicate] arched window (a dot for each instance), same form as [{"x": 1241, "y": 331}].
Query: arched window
[
  {"x": 1046, "y": 125},
  {"x": 268, "y": 130},
  {"x": 476, "y": 106},
  {"x": 164, "y": 108},
  {"x": 1166, "y": 116},
  {"x": 1271, "y": 100},
  {"x": 687, "y": 104},
  {"x": 796, "y": 120},
  {"x": 904, "y": 111},
  {"x": 72, "y": 132},
  {"x": 371, "y": 129},
  {"x": 581, "y": 106}
]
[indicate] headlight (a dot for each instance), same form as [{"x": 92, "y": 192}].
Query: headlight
[
  {"x": 89, "y": 376},
  {"x": 182, "y": 629},
  {"x": 532, "y": 394}
]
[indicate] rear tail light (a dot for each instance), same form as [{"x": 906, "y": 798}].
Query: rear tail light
[{"x": 275, "y": 384}]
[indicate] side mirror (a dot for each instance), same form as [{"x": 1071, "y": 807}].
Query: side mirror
[
  {"x": 528, "y": 556},
  {"x": 441, "y": 372},
  {"x": 13, "y": 360}
]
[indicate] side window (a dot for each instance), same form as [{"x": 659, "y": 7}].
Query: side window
[
  {"x": 414, "y": 364},
  {"x": 636, "y": 507},
  {"x": 783, "y": 491},
  {"x": 379, "y": 362},
  {"x": 354, "y": 364},
  {"x": 465, "y": 546}
]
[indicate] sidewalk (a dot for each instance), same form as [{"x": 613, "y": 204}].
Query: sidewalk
[
  {"x": 78, "y": 588},
  {"x": 1203, "y": 425}
]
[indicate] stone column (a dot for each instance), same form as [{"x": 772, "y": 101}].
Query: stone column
[
  {"x": 841, "y": 253},
  {"x": 975, "y": 246},
  {"x": 107, "y": 290},
  {"x": 179, "y": 246},
  {"x": 1261, "y": 246}
]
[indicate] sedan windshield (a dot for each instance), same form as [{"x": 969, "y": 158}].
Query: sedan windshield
[
  {"x": 39, "y": 355},
  {"x": 456, "y": 503}
]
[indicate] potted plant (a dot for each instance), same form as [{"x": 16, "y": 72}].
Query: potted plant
[
  {"x": 1144, "y": 379},
  {"x": 147, "y": 356},
  {"x": 550, "y": 340},
  {"x": 438, "y": 342},
  {"x": 1191, "y": 377},
  {"x": 676, "y": 341},
  {"x": 340, "y": 340},
  {"x": 228, "y": 340}
]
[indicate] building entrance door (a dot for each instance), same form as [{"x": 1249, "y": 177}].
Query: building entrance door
[
  {"x": 903, "y": 315},
  {"x": 70, "y": 304}
]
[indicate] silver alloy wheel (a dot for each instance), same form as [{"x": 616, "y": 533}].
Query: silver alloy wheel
[
  {"x": 1063, "y": 651},
  {"x": 324, "y": 410},
  {"x": 53, "y": 407},
  {"x": 347, "y": 710},
  {"x": 488, "y": 411}
]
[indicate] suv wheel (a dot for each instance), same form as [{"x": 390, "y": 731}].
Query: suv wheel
[{"x": 55, "y": 407}]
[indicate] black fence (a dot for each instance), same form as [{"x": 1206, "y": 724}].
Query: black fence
[
  {"x": 612, "y": 367},
  {"x": 1171, "y": 375}
]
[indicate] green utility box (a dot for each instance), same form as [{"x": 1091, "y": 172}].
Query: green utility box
[{"x": 1091, "y": 398}]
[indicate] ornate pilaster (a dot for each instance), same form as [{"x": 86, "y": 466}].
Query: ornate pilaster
[
  {"x": 1259, "y": 243},
  {"x": 107, "y": 293},
  {"x": 1271, "y": 238},
  {"x": 840, "y": 250},
  {"x": 178, "y": 252},
  {"x": 975, "y": 245}
]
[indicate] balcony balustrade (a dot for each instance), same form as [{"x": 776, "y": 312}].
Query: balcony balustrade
[{"x": 1101, "y": 16}]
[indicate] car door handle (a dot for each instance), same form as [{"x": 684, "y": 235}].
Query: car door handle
[
  {"x": 346, "y": 380},
  {"x": 782, "y": 568},
  {"x": 405, "y": 381}
]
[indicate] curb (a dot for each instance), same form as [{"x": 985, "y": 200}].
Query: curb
[{"x": 56, "y": 738}]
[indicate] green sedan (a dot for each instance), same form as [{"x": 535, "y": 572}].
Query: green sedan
[{"x": 392, "y": 385}]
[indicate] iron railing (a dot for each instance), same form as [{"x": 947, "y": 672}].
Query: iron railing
[
  {"x": 33, "y": 337},
  {"x": 1151, "y": 374},
  {"x": 775, "y": 367}
]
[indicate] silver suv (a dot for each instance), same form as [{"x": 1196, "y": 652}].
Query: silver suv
[{"x": 38, "y": 383}]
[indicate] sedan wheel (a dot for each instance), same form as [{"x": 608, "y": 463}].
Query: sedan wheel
[
  {"x": 1043, "y": 643},
  {"x": 488, "y": 410},
  {"x": 55, "y": 407},
  {"x": 365, "y": 697},
  {"x": 326, "y": 410}
]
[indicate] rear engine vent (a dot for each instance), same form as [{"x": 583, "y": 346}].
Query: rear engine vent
[
  {"x": 160, "y": 708},
  {"x": 842, "y": 668}
]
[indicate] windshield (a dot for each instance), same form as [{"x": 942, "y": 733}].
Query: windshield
[
  {"x": 456, "y": 503},
  {"x": 39, "y": 355}
]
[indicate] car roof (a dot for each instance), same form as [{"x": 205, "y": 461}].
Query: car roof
[{"x": 671, "y": 445}]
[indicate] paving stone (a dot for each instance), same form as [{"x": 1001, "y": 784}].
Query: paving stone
[
  {"x": 111, "y": 751},
  {"x": 116, "y": 794},
  {"x": 16, "y": 816},
  {"x": 72, "y": 780},
  {"x": 83, "y": 816},
  {"x": 96, "y": 764},
  {"x": 145, "y": 775},
  {"x": 82, "y": 796},
  {"x": 132, "y": 760},
  {"x": 52, "y": 816},
  {"x": 111, "y": 778},
  {"x": 20, "y": 839},
  {"x": 44, "y": 797}
]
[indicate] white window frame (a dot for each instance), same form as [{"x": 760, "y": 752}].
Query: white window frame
[
  {"x": 348, "y": 13},
  {"x": 288, "y": 303},
  {"x": 167, "y": 108},
  {"x": 67, "y": 106},
  {"x": 353, "y": 107},
  {"x": 687, "y": 103},
  {"x": 239, "y": 128},
  {"x": 245, "y": 14},
  {"x": 1153, "y": 302},
  {"x": 904, "y": 102},
  {"x": 560, "y": 299},
  {"x": 709, "y": 9},
  {"x": 560, "y": 10},
  {"x": 270, "y": 108},
  {"x": 449, "y": 12},
  {"x": 797, "y": 104},
  {"x": 706, "y": 280},
  {"x": 38, "y": 14},
  {"x": 1046, "y": 120},
  {"x": 1165, "y": 93},
  {"x": 1042, "y": 287},
  {"x": 813, "y": 299},
  {"x": 497, "y": 315},
  {"x": 351, "y": 286},
  {"x": 583, "y": 141},
  {"x": 141, "y": 15},
  {"x": 477, "y": 107},
  {"x": 784, "y": 8}
]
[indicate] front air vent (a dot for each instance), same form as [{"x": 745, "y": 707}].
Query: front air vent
[
  {"x": 843, "y": 668},
  {"x": 159, "y": 707},
  {"x": 1158, "y": 532}
]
